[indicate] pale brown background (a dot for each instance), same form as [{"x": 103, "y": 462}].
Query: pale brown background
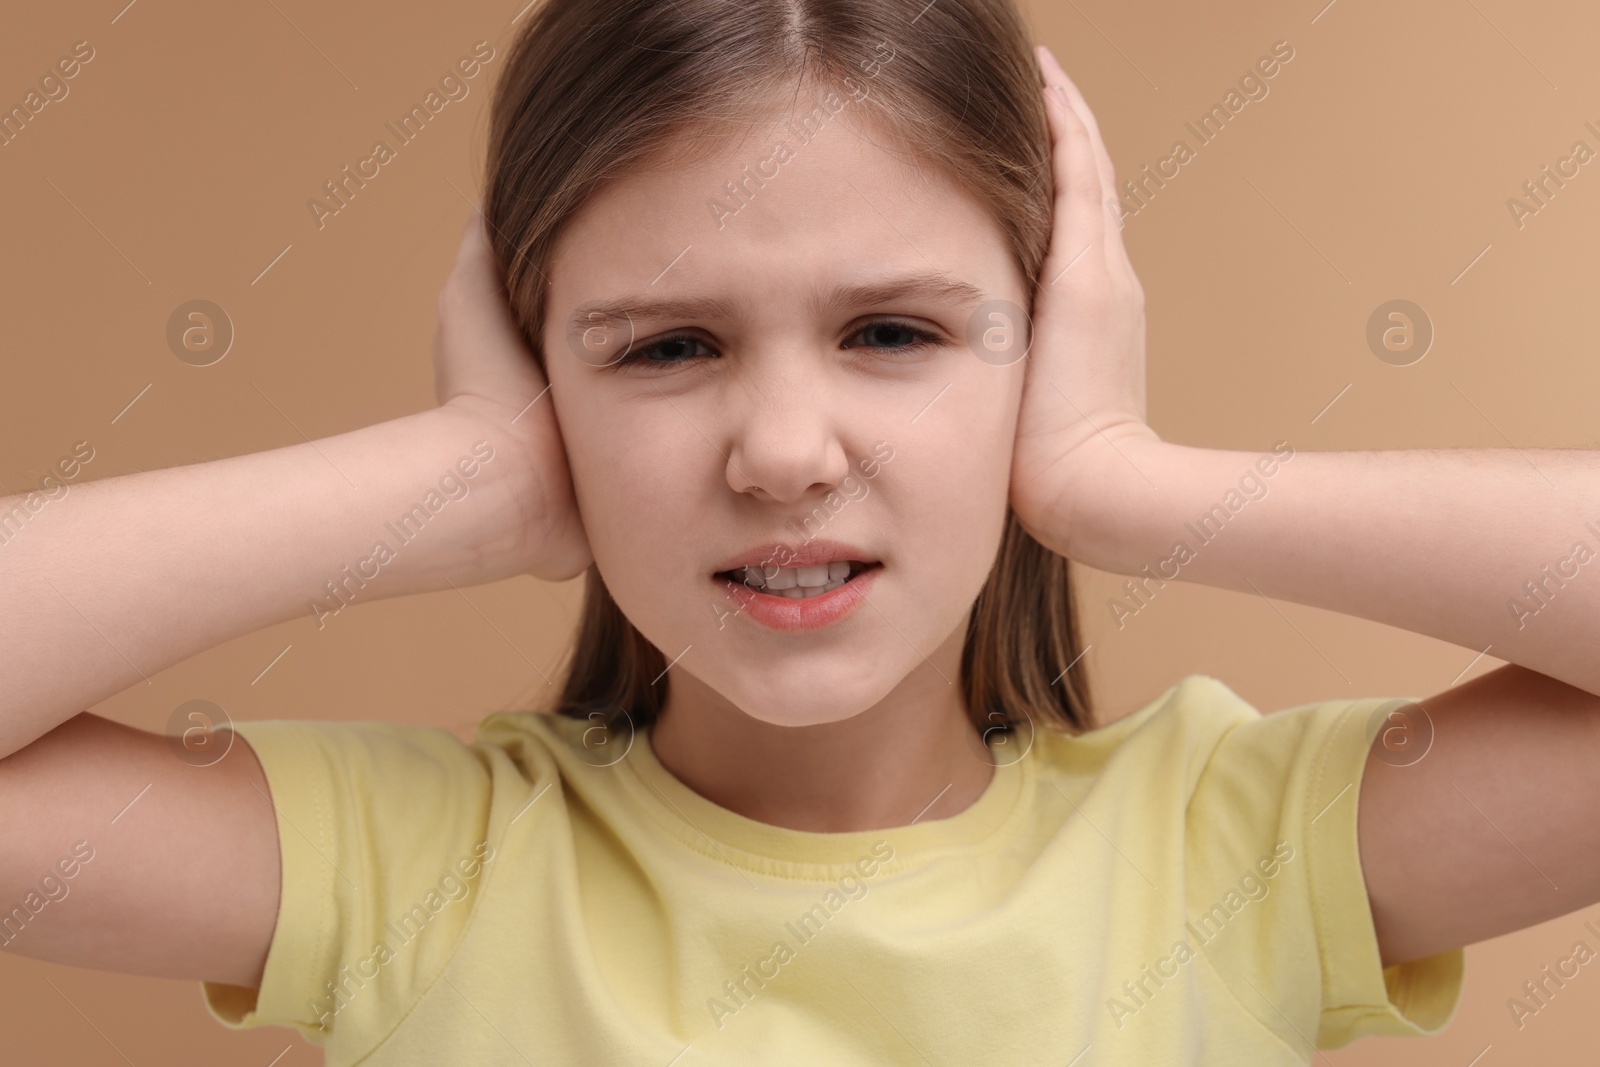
[{"x": 1378, "y": 167}]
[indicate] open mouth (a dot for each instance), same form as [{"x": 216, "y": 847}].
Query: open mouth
[{"x": 799, "y": 583}]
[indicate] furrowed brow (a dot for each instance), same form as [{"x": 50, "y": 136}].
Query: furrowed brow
[
  {"x": 938, "y": 288},
  {"x": 621, "y": 311}
]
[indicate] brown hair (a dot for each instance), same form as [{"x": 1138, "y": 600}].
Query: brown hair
[{"x": 593, "y": 87}]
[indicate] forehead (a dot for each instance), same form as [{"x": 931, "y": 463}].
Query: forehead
[{"x": 788, "y": 203}]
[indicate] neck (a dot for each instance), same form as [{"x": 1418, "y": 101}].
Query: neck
[{"x": 911, "y": 757}]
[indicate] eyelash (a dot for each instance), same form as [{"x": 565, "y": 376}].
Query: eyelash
[{"x": 639, "y": 356}]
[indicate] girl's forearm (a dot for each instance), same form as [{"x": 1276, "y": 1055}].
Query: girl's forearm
[
  {"x": 125, "y": 576},
  {"x": 1485, "y": 548}
]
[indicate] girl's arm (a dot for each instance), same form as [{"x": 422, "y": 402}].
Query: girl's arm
[
  {"x": 1495, "y": 827},
  {"x": 126, "y": 576},
  {"x": 1484, "y": 548}
]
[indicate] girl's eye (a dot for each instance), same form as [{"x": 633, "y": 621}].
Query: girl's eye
[
  {"x": 893, "y": 336},
  {"x": 678, "y": 349},
  {"x": 667, "y": 352}
]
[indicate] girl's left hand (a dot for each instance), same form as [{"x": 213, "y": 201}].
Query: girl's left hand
[{"x": 1081, "y": 430}]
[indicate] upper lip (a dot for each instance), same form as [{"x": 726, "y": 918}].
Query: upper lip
[{"x": 805, "y": 554}]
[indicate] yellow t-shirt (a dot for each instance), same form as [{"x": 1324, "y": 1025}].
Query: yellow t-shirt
[{"x": 1181, "y": 886}]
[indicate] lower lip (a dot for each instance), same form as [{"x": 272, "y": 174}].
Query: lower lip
[{"x": 799, "y": 613}]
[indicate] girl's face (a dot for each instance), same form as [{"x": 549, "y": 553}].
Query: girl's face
[{"x": 783, "y": 378}]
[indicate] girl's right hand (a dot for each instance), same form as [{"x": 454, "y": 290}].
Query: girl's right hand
[
  {"x": 201, "y": 852},
  {"x": 485, "y": 372}
]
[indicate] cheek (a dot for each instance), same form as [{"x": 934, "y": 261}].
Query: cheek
[
  {"x": 642, "y": 491},
  {"x": 955, "y": 475},
  {"x": 962, "y": 445},
  {"x": 949, "y": 511}
]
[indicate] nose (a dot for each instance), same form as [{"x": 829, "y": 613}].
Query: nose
[{"x": 786, "y": 445}]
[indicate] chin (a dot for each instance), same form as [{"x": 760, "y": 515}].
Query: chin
[
  {"x": 808, "y": 716},
  {"x": 811, "y": 705}
]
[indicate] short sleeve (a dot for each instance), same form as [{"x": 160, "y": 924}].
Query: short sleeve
[
  {"x": 1360, "y": 996},
  {"x": 382, "y": 840},
  {"x": 1277, "y": 896}
]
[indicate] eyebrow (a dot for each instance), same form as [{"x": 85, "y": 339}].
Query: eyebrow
[{"x": 620, "y": 311}]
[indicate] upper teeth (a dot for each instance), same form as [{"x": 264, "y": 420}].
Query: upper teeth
[{"x": 821, "y": 576}]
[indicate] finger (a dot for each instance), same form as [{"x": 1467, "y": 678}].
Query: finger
[
  {"x": 1080, "y": 220},
  {"x": 478, "y": 347},
  {"x": 475, "y": 261},
  {"x": 1055, "y": 75}
]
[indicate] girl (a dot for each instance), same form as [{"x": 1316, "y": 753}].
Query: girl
[{"x": 741, "y": 338}]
